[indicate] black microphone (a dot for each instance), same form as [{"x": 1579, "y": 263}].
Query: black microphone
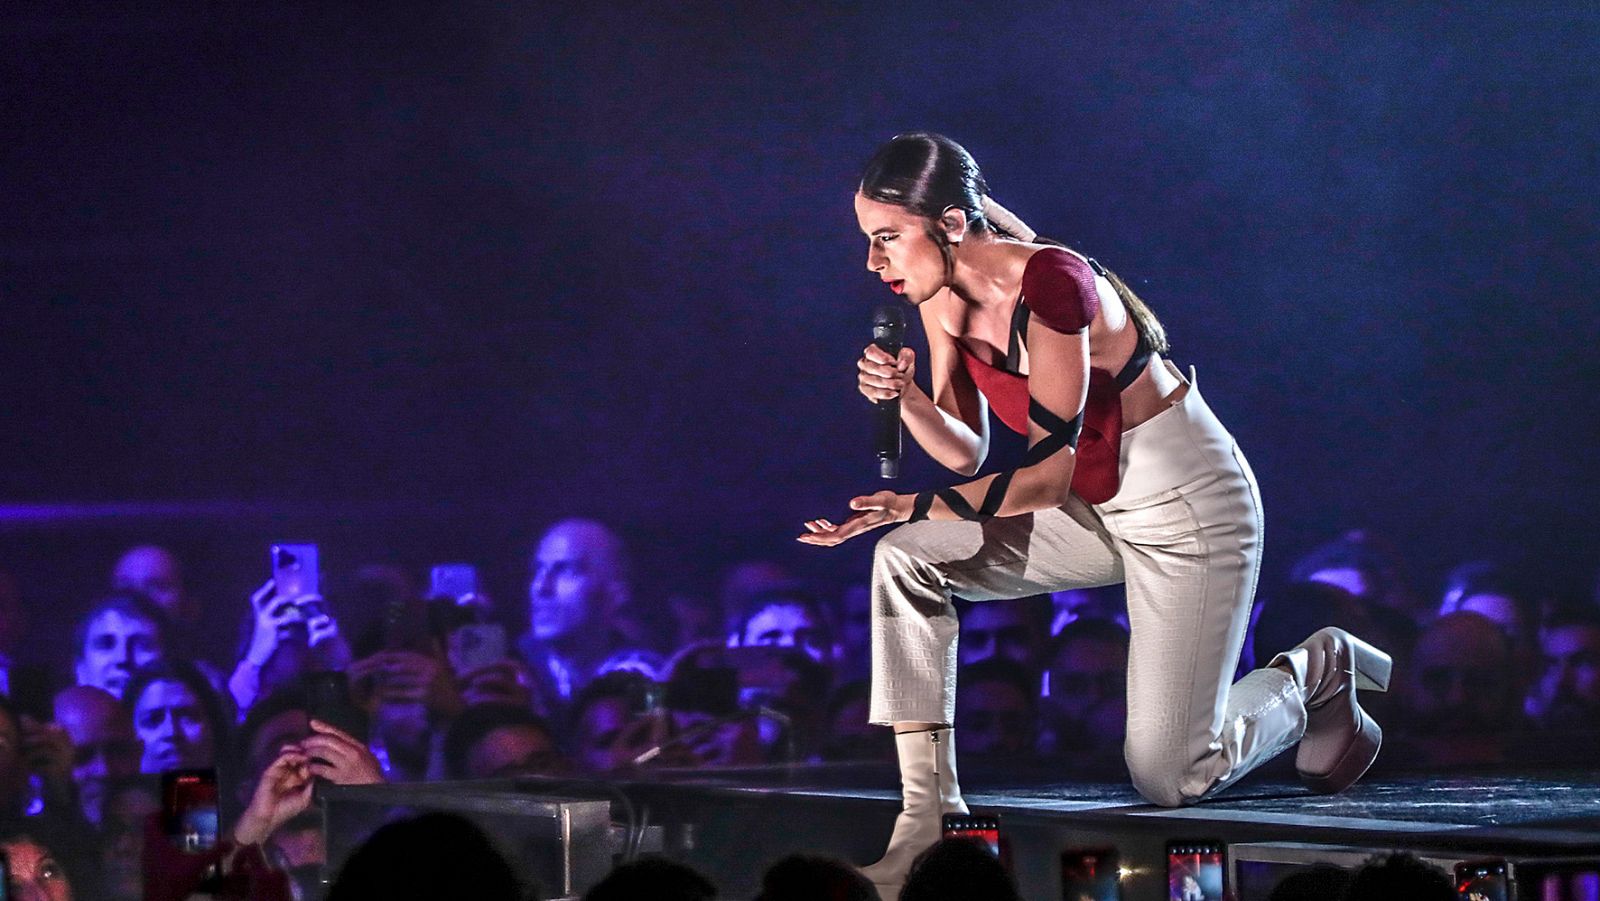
[{"x": 889, "y": 333}]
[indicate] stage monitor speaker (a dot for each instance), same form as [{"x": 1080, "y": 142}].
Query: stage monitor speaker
[{"x": 565, "y": 845}]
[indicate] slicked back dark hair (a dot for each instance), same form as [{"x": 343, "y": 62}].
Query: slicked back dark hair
[{"x": 927, "y": 174}]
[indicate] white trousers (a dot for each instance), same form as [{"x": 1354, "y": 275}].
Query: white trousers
[{"x": 1184, "y": 533}]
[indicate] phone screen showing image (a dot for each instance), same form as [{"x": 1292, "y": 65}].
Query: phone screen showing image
[
  {"x": 983, "y": 830},
  {"x": 294, "y": 570},
  {"x": 1482, "y": 880},
  {"x": 1090, "y": 874},
  {"x": 189, "y": 809},
  {"x": 1194, "y": 871}
]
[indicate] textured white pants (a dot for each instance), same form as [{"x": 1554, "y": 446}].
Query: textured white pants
[{"x": 1184, "y": 533}]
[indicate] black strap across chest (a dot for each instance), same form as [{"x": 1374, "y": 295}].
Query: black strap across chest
[{"x": 1019, "y": 336}]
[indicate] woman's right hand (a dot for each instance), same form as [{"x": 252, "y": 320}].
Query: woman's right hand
[
  {"x": 880, "y": 376},
  {"x": 283, "y": 792},
  {"x": 272, "y": 612}
]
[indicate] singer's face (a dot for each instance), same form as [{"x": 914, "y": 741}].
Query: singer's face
[{"x": 899, "y": 249}]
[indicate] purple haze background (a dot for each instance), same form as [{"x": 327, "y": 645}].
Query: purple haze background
[{"x": 414, "y": 281}]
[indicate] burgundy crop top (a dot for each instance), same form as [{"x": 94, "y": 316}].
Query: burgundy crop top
[{"x": 1059, "y": 289}]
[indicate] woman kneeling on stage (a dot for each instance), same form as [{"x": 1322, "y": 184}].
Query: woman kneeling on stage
[{"x": 1129, "y": 477}]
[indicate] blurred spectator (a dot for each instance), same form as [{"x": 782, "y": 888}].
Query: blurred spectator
[
  {"x": 409, "y": 695},
  {"x": 1018, "y": 630},
  {"x": 958, "y": 869},
  {"x": 436, "y": 855},
  {"x": 495, "y": 741},
  {"x": 281, "y": 720},
  {"x": 850, "y": 736},
  {"x": 104, "y": 746},
  {"x": 1490, "y": 590},
  {"x": 37, "y": 864},
  {"x": 788, "y": 618},
  {"x": 1462, "y": 704},
  {"x": 128, "y": 802},
  {"x": 1109, "y": 602},
  {"x": 803, "y": 877},
  {"x": 655, "y": 878},
  {"x": 1086, "y": 708},
  {"x": 376, "y": 589},
  {"x": 1399, "y": 877},
  {"x": 854, "y": 659},
  {"x": 703, "y": 722},
  {"x": 646, "y": 663},
  {"x": 1285, "y": 617},
  {"x": 1362, "y": 565},
  {"x": 177, "y": 716},
  {"x": 740, "y": 584},
  {"x": 1466, "y": 583},
  {"x": 604, "y": 711},
  {"x": 694, "y": 619},
  {"x": 13, "y": 626},
  {"x": 997, "y": 710},
  {"x": 35, "y": 751},
  {"x": 1321, "y": 882},
  {"x": 119, "y": 634},
  {"x": 579, "y": 587},
  {"x": 154, "y": 572},
  {"x": 1567, "y": 696}
]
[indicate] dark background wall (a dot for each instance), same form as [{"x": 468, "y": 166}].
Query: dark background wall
[{"x": 413, "y": 280}]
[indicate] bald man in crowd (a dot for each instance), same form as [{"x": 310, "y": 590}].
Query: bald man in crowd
[
  {"x": 104, "y": 745},
  {"x": 578, "y": 594}
]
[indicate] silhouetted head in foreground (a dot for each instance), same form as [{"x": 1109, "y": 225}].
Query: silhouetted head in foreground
[
  {"x": 1399, "y": 877},
  {"x": 957, "y": 869},
  {"x": 802, "y": 877},
  {"x": 655, "y": 878},
  {"x": 436, "y": 855}
]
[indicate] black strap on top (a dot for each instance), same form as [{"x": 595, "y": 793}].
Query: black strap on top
[{"x": 1019, "y": 335}]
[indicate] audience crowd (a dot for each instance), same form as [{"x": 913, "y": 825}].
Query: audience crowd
[{"x": 596, "y": 673}]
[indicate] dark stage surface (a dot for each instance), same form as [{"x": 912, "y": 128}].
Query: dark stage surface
[{"x": 732, "y": 823}]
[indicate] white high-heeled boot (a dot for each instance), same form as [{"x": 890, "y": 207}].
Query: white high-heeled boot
[
  {"x": 928, "y": 791},
  {"x": 1341, "y": 740}
]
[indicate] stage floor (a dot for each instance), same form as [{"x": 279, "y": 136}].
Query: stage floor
[{"x": 734, "y": 822}]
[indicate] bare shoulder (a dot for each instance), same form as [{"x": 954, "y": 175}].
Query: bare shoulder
[{"x": 943, "y": 317}]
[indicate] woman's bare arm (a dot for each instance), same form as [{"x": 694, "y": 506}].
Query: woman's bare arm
[
  {"x": 1056, "y": 395},
  {"x": 953, "y": 424}
]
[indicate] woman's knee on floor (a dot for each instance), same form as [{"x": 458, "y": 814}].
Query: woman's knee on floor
[{"x": 1161, "y": 773}]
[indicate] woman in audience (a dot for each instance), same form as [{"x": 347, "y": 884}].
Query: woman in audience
[
  {"x": 177, "y": 716},
  {"x": 36, "y": 864}
]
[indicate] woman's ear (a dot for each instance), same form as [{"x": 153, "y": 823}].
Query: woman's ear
[{"x": 953, "y": 222}]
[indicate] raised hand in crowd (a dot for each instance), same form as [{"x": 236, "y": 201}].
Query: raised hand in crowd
[
  {"x": 339, "y": 757},
  {"x": 274, "y": 620},
  {"x": 322, "y": 633},
  {"x": 503, "y": 682},
  {"x": 282, "y": 793},
  {"x": 405, "y": 677}
]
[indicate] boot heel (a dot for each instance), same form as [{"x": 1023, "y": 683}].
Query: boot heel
[
  {"x": 1357, "y": 759},
  {"x": 1372, "y": 666}
]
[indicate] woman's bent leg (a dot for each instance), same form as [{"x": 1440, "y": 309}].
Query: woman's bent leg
[
  {"x": 918, "y": 567},
  {"x": 1192, "y": 558},
  {"x": 916, "y": 570}
]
